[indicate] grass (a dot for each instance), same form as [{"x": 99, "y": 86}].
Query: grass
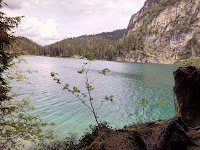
[{"x": 192, "y": 61}]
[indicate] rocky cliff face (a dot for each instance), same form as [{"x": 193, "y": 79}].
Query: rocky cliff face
[{"x": 169, "y": 28}]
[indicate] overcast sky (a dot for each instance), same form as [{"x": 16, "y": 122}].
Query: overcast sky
[{"x": 48, "y": 21}]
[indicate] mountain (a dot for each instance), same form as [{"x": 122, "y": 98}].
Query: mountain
[
  {"x": 24, "y": 46},
  {"x": 162, "y": 31},
  {"x": 115, "y": 35},
  {"x": 167, "y": 31},
  {"x": 103, "y": 45}
]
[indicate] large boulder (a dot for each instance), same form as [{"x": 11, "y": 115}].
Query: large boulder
[
  {"x": 172, "y": 136},
  {"x": 187, "y": 95},
  {"x": 161, "y": 135}
]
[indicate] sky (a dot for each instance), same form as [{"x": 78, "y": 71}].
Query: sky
[{"x": 48, "y": 21}]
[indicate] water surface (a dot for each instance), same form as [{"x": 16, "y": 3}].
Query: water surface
[{"x": 128, "y": 82}]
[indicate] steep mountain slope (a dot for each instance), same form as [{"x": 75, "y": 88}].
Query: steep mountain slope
[
  {"x": 168, "y": 29},
  {"x": 103, "y": 45},
  {"x": 163, "y": 31},
  {"x": 24, "y": 46}
]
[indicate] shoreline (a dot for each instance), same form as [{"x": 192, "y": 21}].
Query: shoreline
[
  {"x": 115, "y": 60},
  {"x": 191, "y": 61}
]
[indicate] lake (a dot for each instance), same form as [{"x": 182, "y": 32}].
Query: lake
[{"x": 128, "y": 82}]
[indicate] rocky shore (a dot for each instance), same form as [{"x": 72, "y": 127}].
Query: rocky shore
[{"x": 179, "y": 133}]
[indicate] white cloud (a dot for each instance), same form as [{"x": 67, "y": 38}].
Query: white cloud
[
  {"x": 90, "y": 7},
  {"x": 47, "y": 21},
  {"x": 42, "y": 32},
  {"x": 83, "y": 7}
]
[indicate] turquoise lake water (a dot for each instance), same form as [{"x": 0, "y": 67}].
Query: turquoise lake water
[{"x": 128, "y": 82}]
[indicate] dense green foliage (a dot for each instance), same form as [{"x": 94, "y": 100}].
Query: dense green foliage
[
  {"x": 103, "y": 45},
  {"x": 24, "y": 46},
  {"x": 192, "y": 61},
  {"x": 107, "y": 46},
  {"x": 16, "y": 123},
  {"x": 6, "y": 24}
]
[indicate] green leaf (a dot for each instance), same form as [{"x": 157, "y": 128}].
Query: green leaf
[
  {"x": 161, "y": 101},
  {"x": 66, "y": 87},
  {"x": 89, "y": 87},
  {"x": 53, "y": 74},
  {"x": 143, "y": 101},
  {"x": 80, "y": 71},
  {"x": 57, "y": 80},
  {"x": 28, "y": 71},
  {"x": 90, "y": 56},
  {"x": 104, "y": 71},
  {"x": 75, "y": 90},
  {"x": 109, "y": 98},
  {"x": 84, "y": 95}
]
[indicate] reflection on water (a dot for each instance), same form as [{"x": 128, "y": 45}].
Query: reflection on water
[{"x": 128, "y": 82}]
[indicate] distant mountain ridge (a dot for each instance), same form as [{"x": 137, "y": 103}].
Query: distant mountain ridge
[
  {"x": 25, "y": 46},
  {"x": 114, "y": 35},
  {"x": 162, "y": 31},
  {"x": 102, "y": 44}
]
